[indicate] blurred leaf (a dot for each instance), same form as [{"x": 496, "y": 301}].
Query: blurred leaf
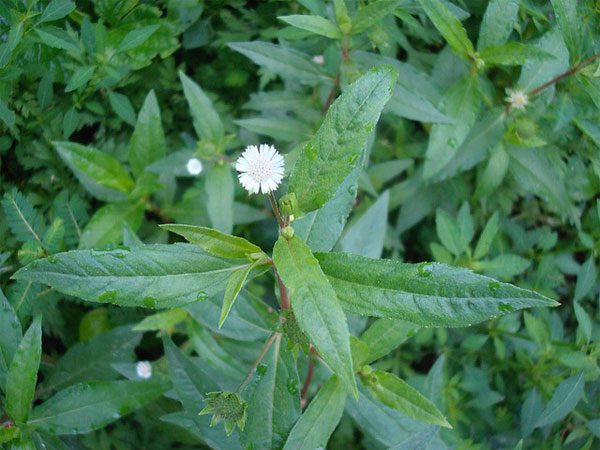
[
  {"x": 80, "y": 78},
  {"x": 372, "y": 13},
  {"x": 136, "y": 37},
  {"x": 497, "y": 24},
  {"x": 314, "y": 24},
  {"x": 56, "y": 9},
  {"x": 219, "y": 197},
  {"x": 9, "y": 338},
  {"x": 385, "y": 335},
  {"x": 586, "y": 278},
  {"x": 449, "y": 27},
  {"x": 106, "y": 225},
  {"x": 207, "y": 123},
  {"x": 122, "y": 107},
  {"x": 563, "y": 401}
]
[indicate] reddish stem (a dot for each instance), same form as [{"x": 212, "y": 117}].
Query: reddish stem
[
  {"x": 283, "y": 294},
  {"x": 309, "y": 376}
]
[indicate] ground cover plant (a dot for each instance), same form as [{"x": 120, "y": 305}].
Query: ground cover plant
[{"x": 299, "y": 225}]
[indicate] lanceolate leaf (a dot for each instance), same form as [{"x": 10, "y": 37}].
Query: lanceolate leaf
[
  {"x": 89, "y": 406},
  {"x": 207, "y": 123},
  {"x": 9, "y": 337},
  {"x": 449, "y": 27},
  {"x": 386, "y": 335},
  {"x": 314, "y": 24},
  {"x": 22, "y": 373},
  {"x": 333, "y": 152},
  {"x": 152, "y": 276},
  {"x": 428, "y": 294},
  {"x": 498, "y": 22},
  {"x": 563, "y": 401},
  {"x": 148, "y": 140},
  {"x": 315, "y": 306},
  {"x": 219, "y": 197},
  {"x": 234, "y": 286},
  {"x": 320, "y": 418},
  {"x": 106, "y": 225},
  {"x": 24, "y": 221},
  {"x": 215, "y": 242}
]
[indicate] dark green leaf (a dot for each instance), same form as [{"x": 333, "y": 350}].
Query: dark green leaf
[
  {"x": 219, "y": 197},
  {"x": 314, "y": 24},
  {"x": 56, "y": 9},
  {"x": 207, "y": 123},
  {"x": 372, "y": 14},
  {"x": 497, "y": 23},
  {"x": 563, "y": 401},
  {"x": 9, "y": 338},
  {"x": 449, "y": 27},
  {"x": 136, "y": 37},
  {"x": 148, "y": 140},
  {"x": 385, "y": 335},
  {"x": 80, "y": 78},
  {"x": 106, "y": 225}
]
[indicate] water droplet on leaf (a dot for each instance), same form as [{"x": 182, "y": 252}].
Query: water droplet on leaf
[
  {"x": 107, "y": 296},
  {"x": 424, "y": 269},
  {"x": 494, "y": 285}
]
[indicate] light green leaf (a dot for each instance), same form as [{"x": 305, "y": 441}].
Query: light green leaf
[
  {"x": 147, "y": 143},
  {"x": 273, "y": 401},
  {"x": 22, "y": 373},
  {"x": 136, "y": 37},
  {"x": 56, "y": 9},
  {"x": 94, "y": 168},
  {"x": 280, "y": 128},
  {"x": 58, "y": 38},
  {"x": 366, "y": 235},
  {"x": 316, "y": 424},
  {"x": 586, "y": 278},
  {"x": 107, "y": 223},
  {"x": 461, "y": 104},
  {"x": 314, "y": 24},
  {"x": 164, "y": 320},
  {"x": 7, "y": 115},
  {"x": 449, "y": 27},
  {"x": 512, "y": 54},
  {"x": 428, "y": 294},
  {"x": 219, "y": 197},
  {"x": 570, "y": 25},
  {"x": 411, "y": 105},
  {"x": 398, "y": 394},
  {"x": 487, "y": 237},
  {"x": 537, "y": 71},
  {"x": 80, "y": 78},
  {"x": 497, "y": 23},
  {"x": 207, "y": 123},
  {"x": 234, "y": 286},
  {"x": 503, "y": 266},
  {"x": 152, "y": 276},
  {"x": 9, "y": 338},
  {"x": 448, "y": 232},
  {"x": 385, "y": 335},
  {"x": 122, "y": 107},
  {"x": 315, "y": 306},
  {"x": 333, "y": 152},
  {"x": 563, "y": 401},
  {"x": 89, "y": 406},
  {"x": 372, "y": 14},
  {"x": 286, "y": 62},
  {"x": 214, "y": 242}
]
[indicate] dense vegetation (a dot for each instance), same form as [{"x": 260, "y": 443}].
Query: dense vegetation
[{"x": 461, "y": 137}]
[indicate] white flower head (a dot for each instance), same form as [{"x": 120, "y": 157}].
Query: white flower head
[
  {"x": 194, "y": 166},
  {"x": 319, "y": 59},
  {"x": 143, "y": 370},
  {"x": 517, "y": 98},
  {"x": 260, "y": 168}
]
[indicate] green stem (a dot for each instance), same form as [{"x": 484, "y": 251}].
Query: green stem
[{"x": 262, "y": 354}]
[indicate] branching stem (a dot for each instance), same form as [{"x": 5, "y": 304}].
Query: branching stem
[{"x": 260, "y": 357}]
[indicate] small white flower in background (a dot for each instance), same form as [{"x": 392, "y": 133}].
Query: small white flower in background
[
  {"x": 261, "y": 168},
  {"x": 194, "y": 166},
  {"x": 143, "y": 370},
  {"x": 319, "y": 59},
  {"x": 517, "y": 99}
]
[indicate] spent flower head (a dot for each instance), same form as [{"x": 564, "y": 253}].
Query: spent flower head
[
  {"x": 260, "y": 168},
  {"x": 228, "y": 407},
  {"x": 143, "y": 370},
  {"x": 517, "y": 98}
]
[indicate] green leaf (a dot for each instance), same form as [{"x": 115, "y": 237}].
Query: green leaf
[
  {"x": 273, "y": 399},
  {"x": 320, "y": 418},
  {"x": 398, "y": 394},
  {"x": 214, "y": 242},
  {"x": 164, "y": 320},
  {"x": 385, "y": 335},
  {"x": 23, "y": 220},
  {"x": 280, "y": 128},
  {"x": 537, "y": 71},
  {"x": 449, "y": 27},
  {"x": 58, "y": 38},
  {"x": 136, "y": 37},
  {"x": 219, "y": 197},
  {"x": 448, "y": 232},
  {"x": 530, "y": 411},
  {"x": 207, "y": 123},
  {"x": 9, "y": 338},
  {"x": 94, "y": 168},
  {"x": 148, "y": 140},
  {"x": 512, "y": 54},
  {"x": 586, "y": 278},
  {"x": 487, "y": 237},
  {"x": 152, "y": 276},
  {"x": 322, "y": 228},
  {"x": 333, "y": 152},
  {"x": 497, "y": 24},
  {"x": 372, "y": 14},
  {"x": 570, "y": 25},
  {"x": 286, "y": 62},
  {"x": 80, "y": 78},
  {"x": 373, "y": 223},
  {"x": 563, "y": 401},
  {"x": 314, "y": 24},
  {"x": 584, "y": 321},
  {"x": 461, "y": 104},
  {"x": 122, "y": 107},
  {"x": 56, "y": 9},
  {"x": 22, "y": 373},
  {"x": 428, "y": 294},
  {"x": 114, "y": 346},
  {"x": 86, "y": 407},
  {"x": 106, "y": 225},
  {"x": 315, "y": 306},
  {"x": 234, "y": 286},
  {"x": 411, "y": 105}
]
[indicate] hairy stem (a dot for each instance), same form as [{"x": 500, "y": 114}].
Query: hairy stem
[
  {"x": 260, "y": 357},
  {"x": 573, "y": 70},
  {"x": 283, "y": 294},
  {"x": 308, "y": 380},
  {"x": 332, "y": 93},
  {"x": 276, "y": 210}
]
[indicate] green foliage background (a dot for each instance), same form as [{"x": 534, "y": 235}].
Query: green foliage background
[{"x": 96, "y": 134}]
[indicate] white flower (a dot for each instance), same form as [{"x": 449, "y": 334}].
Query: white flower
[
  {"x": 261, "y": 168},
  {"x": 517, "y": 99},
  {"x": 143, "y": 370},
  {"x": 319, "y": 59},
  {"x": 194, "y": 166}
]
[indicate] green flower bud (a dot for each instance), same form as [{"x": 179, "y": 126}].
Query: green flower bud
[{"x": 228, "y": 407}]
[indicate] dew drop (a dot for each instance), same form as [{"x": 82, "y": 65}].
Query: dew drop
[
  {"x": 52, "y": 259},
  {"x": 424, "y": 269},
  {"x": 292, "y": 386},
  {"x": 505, "y": 307},
  {"x": 202, "y": 296},
  {"x": 453, "y": 143},
  {"x": 494, "y": 285},
  {"x": 149, "y": 302},
  {"x": 107, "y": 296},
  {"x": 261, "y": 370},
  {"x": 311, "y": 151}
]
